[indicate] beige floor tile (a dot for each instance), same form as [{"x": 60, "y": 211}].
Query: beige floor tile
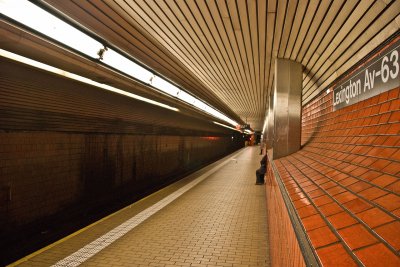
[{"x": 219, "y": 222}]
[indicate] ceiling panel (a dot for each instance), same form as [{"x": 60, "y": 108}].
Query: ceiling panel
[{"x": 223, "y": 51}]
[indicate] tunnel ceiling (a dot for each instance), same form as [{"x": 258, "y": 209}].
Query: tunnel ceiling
[{"x": 223, "y": 51}]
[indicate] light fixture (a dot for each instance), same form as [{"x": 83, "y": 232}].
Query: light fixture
[
  {"x": 221, "y": 116},
  {"x": 164, "y": 86},
  {"x": 127, "y": 66},
  {"x": 76, "y": 77},
  {"x": 200, "y": 105},
  {"x": 42, "y": 21},
  {"x": 182, "y": 95},
  {"x": 248, "y": 131},
  {"x": 226, "y": 126},
  {"x": 172, "y": 90}
]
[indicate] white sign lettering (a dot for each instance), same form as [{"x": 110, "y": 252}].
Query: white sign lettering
[{"x": 379, "y": 76}]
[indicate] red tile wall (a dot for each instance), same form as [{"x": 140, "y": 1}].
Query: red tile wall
[
  {"x": 284, "y": 248},
  {"x": 345, "y": 181}
]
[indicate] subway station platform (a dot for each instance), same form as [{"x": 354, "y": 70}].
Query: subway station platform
[{"x": 213, "y": 217}]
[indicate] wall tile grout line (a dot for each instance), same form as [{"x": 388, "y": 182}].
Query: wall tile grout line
[
  {"x": 351, "y": 213},
  {"x": 327, "y": 222},
  {"x": 359, "y": 179}
]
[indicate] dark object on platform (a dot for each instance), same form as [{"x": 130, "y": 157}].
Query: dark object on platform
[{"x": 261, "y": 171}]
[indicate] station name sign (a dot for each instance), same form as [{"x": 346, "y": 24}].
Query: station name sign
[{"x": 380, "y": 75}]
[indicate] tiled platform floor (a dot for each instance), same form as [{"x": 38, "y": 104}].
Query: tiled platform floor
[{"x": 219, "y": 222}]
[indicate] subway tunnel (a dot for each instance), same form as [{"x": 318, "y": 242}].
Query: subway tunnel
[{"x": 131, "y": 132}]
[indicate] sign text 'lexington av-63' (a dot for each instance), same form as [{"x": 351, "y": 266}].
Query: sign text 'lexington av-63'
[{"x": 378, "y": 76}]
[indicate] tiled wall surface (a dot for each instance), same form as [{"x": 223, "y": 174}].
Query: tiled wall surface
[
  {"x": 284, "y": 248},
  {"x": 50, "y": 179},
  {"x": 45, "y": 172},
  {"x": 345, "y": 181}
]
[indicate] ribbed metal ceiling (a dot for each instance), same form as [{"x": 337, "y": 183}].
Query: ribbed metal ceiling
[{"x": 223, "y": 51}]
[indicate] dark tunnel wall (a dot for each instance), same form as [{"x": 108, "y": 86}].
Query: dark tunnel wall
[
  {"x": 69, "y": 150},
  {"x": 45, "y": 172}
]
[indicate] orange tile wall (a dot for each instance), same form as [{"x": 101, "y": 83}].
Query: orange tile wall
[
  {"x": 345, "y": 182},
  {"x": 284, "y": 248}
]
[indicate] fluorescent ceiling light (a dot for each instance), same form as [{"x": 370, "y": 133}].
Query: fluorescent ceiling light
[
  {"x": 221, "y": 116},
  {"x": 42, "y": 21},
  {"x": 76, "y": 77},
  {"x": 213, "y": 112},
  {"x": 200, "y": 105},
  {"x": 120, "y": 62},
  {"x": 167, "y": 87},
  {"x": 186, "y": 97},
  {"x": 164, "y": 86},
  {"x": 226, "y": 126}
]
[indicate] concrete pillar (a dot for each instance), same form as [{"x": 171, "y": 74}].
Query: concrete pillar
[{"x": 287, "y": 108}]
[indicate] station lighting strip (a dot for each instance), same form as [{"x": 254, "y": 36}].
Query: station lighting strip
[
  {"x": 76, "y": 77},
  {"x": 248, "y": 131},
  {"x": 44, "y": 22},
  {"x": 226, "y": 126}
]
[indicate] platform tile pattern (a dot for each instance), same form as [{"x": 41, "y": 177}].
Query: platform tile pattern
[{"x": 219, "y": 222}]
